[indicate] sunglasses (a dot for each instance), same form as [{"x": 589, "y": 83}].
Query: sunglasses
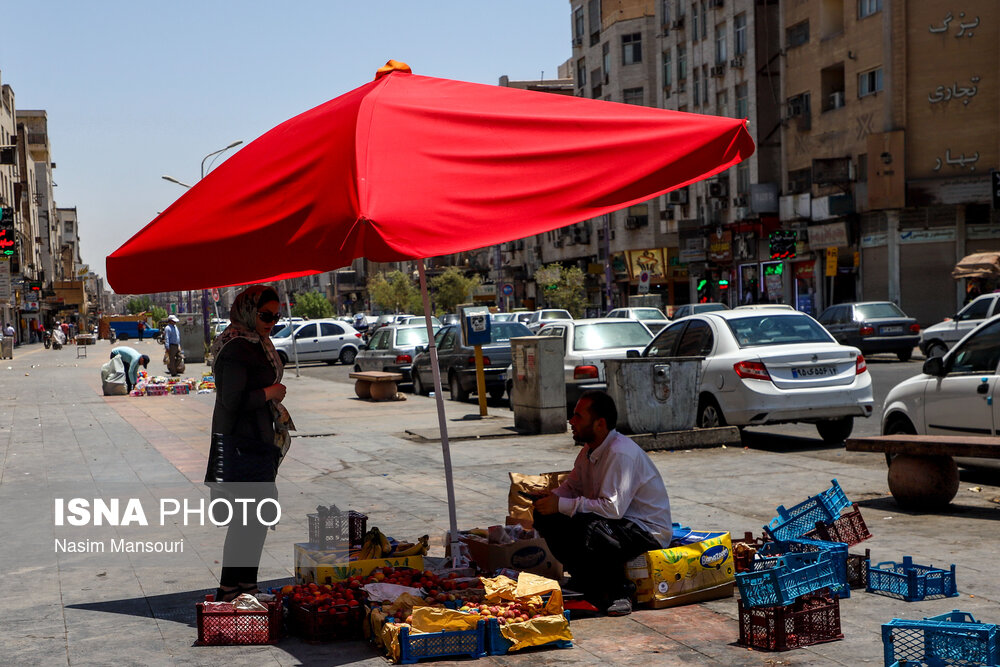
[{"x": 268, "y": 318}]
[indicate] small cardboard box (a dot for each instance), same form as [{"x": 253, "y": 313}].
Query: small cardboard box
[
  {"x": 699, "y": 568},
  {"x": 325, "y": 567},
  {"x": 524, "y": 555}
]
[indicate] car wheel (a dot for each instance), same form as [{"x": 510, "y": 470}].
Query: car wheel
[
  {"x": 835, "y": 430},
  {"x": 904, "y": 355},
  {"x": 497, "y": 393},
  {"x": 357, "y": 369},
  {"x": 897, "y": 426},
  {"x": 709, "y": 413},
  {"x": 347, "y": 356},
  {"x": 457, "y": 393},
  {"x": 283, "y": 357},
  {"x": 936, "y": 349},
  {"x": 418, "y": 385},
  {"x": 123, "y": 336}
]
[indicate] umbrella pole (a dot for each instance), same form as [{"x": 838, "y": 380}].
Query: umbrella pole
[{"x": 442, "y": 422}]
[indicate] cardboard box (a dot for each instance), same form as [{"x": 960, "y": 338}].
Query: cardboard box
[
  {"x": 699, "y": 568},
  {"x": 325, "y": 567},
  {"x": 525, "y": 555}
]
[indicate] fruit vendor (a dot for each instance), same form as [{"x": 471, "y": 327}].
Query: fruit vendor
[
  {"x": 612, "y": 507},
  {"x": 132, "y": 360}
]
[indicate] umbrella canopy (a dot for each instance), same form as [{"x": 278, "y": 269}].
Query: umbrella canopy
[
  {"x": 979, "y": 265},
  {"x": 408, "y": 167}
]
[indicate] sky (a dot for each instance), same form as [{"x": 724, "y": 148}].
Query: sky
[{"x": 134, "y": 90}]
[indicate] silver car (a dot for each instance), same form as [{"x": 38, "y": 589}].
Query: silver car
[
  {"x": 318, "y": 340},
  {"x": 392, "y": 349},
  {"x": 653, "y": 318}
]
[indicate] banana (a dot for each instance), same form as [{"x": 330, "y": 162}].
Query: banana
[
  {"x": 418, "y": 549},
  {"x": 383, "y": 543}
]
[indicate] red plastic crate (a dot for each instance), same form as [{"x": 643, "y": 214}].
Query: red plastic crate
[
  {"x": 812, "y": 619},
  {"x": 857, "y": 569},
  {"x": 849, "y": 528},
  {"x": 744, "y": 550},
  {"x": 225, "y": 627},
  {"x": 339, "y": 622}
]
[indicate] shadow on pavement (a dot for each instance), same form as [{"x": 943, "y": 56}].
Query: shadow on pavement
[
  {"x": 887, "y": 504},
  {"x": 771, "y": 442}
]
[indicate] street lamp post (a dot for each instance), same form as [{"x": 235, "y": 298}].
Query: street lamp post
[{"x": 204, "y": 292}]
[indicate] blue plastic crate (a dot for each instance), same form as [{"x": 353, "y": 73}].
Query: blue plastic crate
[
  {"x": 497, "y": 644},
  {"x": 787, "y": 577},
  {"x": 911, "y": 582},
  {"x": 955, "y": 638},
  {"x": 445, "y": 644},
  {"x": 837, "y": 550},
  {"x": 824, "y": 507}
]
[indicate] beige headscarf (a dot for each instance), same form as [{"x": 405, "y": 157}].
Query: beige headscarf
[{"x": 243, "y": 324}]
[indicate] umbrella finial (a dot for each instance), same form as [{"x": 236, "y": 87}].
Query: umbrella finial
[{"x": 392, "y": 66}]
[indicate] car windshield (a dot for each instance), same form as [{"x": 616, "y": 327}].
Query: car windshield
[
  {"x": 282, "y": 332},
  {"x": 603, "y": 335},
  {"x": 414, "y": 336},
  {"x": 556, "y": 315},
  {"x": 648, "y": 314},
  {"x": 777, "y": 330},
  {"x": 502, "y": 332},
  {"x": 873, "y": 311}
]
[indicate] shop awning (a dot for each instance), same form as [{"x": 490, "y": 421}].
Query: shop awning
[{"x": 979, "y": 265}]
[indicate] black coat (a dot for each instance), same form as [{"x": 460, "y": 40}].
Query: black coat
[{"x": 242, "y": 372}]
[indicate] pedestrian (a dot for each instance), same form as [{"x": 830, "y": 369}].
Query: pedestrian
[
  {"x": 132, "y": 360},
  {"x": 8, "y": 332},
  {"x": 141, "y": 328},
  {"x": 612, "y": 507},
  {"x": 249, "y": 429},
  {"x": 172, "y": 345}
]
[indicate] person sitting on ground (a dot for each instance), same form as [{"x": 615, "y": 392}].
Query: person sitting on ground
[
  {"x": 132, "y": 360},
  {"x": 612, "y": 508}
]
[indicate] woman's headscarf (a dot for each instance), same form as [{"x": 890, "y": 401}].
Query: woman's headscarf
[{"x": 243, "y": 324}]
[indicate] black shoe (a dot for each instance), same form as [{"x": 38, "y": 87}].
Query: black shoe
[{"x": 620, "y": 607}]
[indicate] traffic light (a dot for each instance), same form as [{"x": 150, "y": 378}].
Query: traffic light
[
  {"x": 36, "y": 289},
  {"x": 723, "y": 284}
]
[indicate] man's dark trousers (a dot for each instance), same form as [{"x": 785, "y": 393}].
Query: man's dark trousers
[{"x": 594, "y": 550}]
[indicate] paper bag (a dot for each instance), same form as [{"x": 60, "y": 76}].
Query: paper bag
[{"x": 519, "y": 507}]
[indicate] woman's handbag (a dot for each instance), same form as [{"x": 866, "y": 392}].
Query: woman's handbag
[{"x": 242, "y": 459}]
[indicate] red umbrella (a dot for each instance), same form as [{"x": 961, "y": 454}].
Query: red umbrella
[{"x": 407, "y": 167}]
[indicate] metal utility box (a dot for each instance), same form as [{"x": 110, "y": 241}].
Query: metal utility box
[
  {"x": 538, "y": 395},
  {"x": 192, "y": 330},
  {"x": 654, "y": 394}
]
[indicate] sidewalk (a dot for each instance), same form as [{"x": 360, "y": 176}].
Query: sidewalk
[{"x": 61, "y": 438}]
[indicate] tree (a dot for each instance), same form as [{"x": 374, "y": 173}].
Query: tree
[
  {"x": 562, "y": 287},
  {"x": 140, "y": 305},
  {"x": 395, "y": 291},
  {"x": 452, "y": 288},
  {"x": 312, "y": 305},
  {"x": 158, "y": 314}
]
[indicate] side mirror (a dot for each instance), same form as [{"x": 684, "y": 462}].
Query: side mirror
[
  {"x": 418, "y": 349},
  {"x": 362, "y": 346},
  {"x": 633, "y": 354},
  {"x": 934, "y": 366}
]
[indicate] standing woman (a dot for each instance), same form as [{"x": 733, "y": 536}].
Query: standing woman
[{"x": 249, "y": 428}]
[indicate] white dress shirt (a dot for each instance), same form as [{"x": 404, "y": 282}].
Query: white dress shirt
[{"x": 618, "y": 480}]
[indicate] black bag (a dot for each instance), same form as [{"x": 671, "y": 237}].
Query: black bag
[{"x": 238, "y": 458}]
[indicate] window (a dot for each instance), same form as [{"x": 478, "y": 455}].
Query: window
[
  {"x": 722, "y": 103},
  {"x": 696, "y": 341},
  {"x": 979, "y": 354},
  {"x": 595, "y": 83},
  {"x": 797, "y": 35},
  {"x": 610, "y": 335},
  {"x": 739, "y": 35},
  {"x": 704, "y": 21},
  {"x": 663, "y": 344},
  {"x": 870, "y": 82},
  {"x": 777, "y": 330},
  {"x": 450, "y": 336},
  {"x": 720, "y": 44},
  {"x": 742, "y": 101},
  {"x": 682, "y": 63},
  {"x": 594, "y": 17},
  {"x": 578, "y": 26},
  {"x": 414, "y": 336},
  {"x": 704, "y": 87},
  {"x": 632, "y": 96},
  {"x": 330, "y": 329},
  {"x": 863, "y": 168},
  {"x": 798, "y": 105},
  {"x": 694, "y": 21},
  {"x": 800, "y": 180},
  {"x": 637, "y": 216},
  {"x": 696, "y": 85},
  {"x": 581, "y": 73},
  {"x": 632, "y": 48},
  {"x": 306, "y": 331},
  {"x": 743, "y": 177},
  {"x": 665, "y": 12},
  {"x": 868, "y": 7},
  {"x": 667, "y": 73},
  {"x": 69, "y": 227},
  {"x": 976, "y": 310},
  {"x": 605, "y": 61}
]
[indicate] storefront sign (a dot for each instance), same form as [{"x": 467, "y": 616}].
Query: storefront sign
[
  {"x": 825, "y": 236},
  {"x": 5, "y": 282},
  {"x": 874, "y": 240},
  {"x": 804, "y": 270},
  {"x": 720, "y": 247},
  {"x": 692, "y": 250},
  {"x": 831, "y": 262},
  {"x": 982, "y": 231},
  {"x": 649, "y": 260},
  {"x": 927, "y": 235}
]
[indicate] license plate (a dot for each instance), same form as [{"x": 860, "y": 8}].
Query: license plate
[
  {"x": 502, "y": 377},
  {"x": 887, "y": 330},
  {"x": 813, "y": 371}
]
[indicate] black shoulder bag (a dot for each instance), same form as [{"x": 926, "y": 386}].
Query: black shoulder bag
[{"x": 242, "y": 459}]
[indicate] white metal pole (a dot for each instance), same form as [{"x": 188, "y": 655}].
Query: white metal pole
[{"x": 288, "y": 309}]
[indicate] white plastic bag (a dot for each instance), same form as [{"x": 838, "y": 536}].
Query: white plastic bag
[{"x": 113, "y": 377}]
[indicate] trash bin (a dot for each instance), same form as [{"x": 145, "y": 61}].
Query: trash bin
[
  {"x": 654, "y": 394},
  {"x": 7, "y": 348}
]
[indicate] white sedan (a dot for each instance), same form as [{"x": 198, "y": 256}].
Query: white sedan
[{"x": 770, "y": 367}]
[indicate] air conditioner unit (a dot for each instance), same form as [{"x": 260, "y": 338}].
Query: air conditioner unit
[
  {"x": 718, "y": 70},
  {"x": 678, "y": 23},
  {"x": 667, "y": 214},
  {"x": 558, "y": 242},
  {"x": 715, "y": 4},
  {"x": 681, "y": 89},
  {"x": 837, "y": 99},
  {"x": 578, "y": 41},
  {"x": 719, "y": 203},
  {"x": 519, "y": 244},
  {"x": 718, "y": 189},
  {"x": 666, "y": 93},
  {"x": 678, "y": 196},
  {"x": 739, "y": 201},
  {"x": 737, "y": 62}
]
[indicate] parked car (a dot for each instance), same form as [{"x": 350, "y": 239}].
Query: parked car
[
  {"x": 937, "y": 339},
  {"x": 539, "y": 317},
  {"x": 504, "y": 317},
  {"x": 695, "y": 308},
  {"x": 770, "y": 368},
  {"x": 392, "y": 349},
  {"x": 764, "y": 306},
  {"x": 448, "y": 318},
  {"x": 587, "y": 343},
  {"x": 129, "y": 329},
  {"x": 955, "y": 394},
  {"x": 873, "y": 326},
  {"x": 524, "y": 318},
  {"x": 456, "y": 360},
  {"x": 218, "y": 327},
  {"x": 653, "y": 318},
  {"x": 418, "y": 319},
  {"x": 319, "y": 340}
]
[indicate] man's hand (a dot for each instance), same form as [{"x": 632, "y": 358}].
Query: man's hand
[{"x": 548, "y": 504}]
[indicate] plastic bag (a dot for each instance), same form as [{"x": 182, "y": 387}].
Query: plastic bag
[
  {"x": 113, "y": 377},
  {"x": 523, "y": 487}
]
